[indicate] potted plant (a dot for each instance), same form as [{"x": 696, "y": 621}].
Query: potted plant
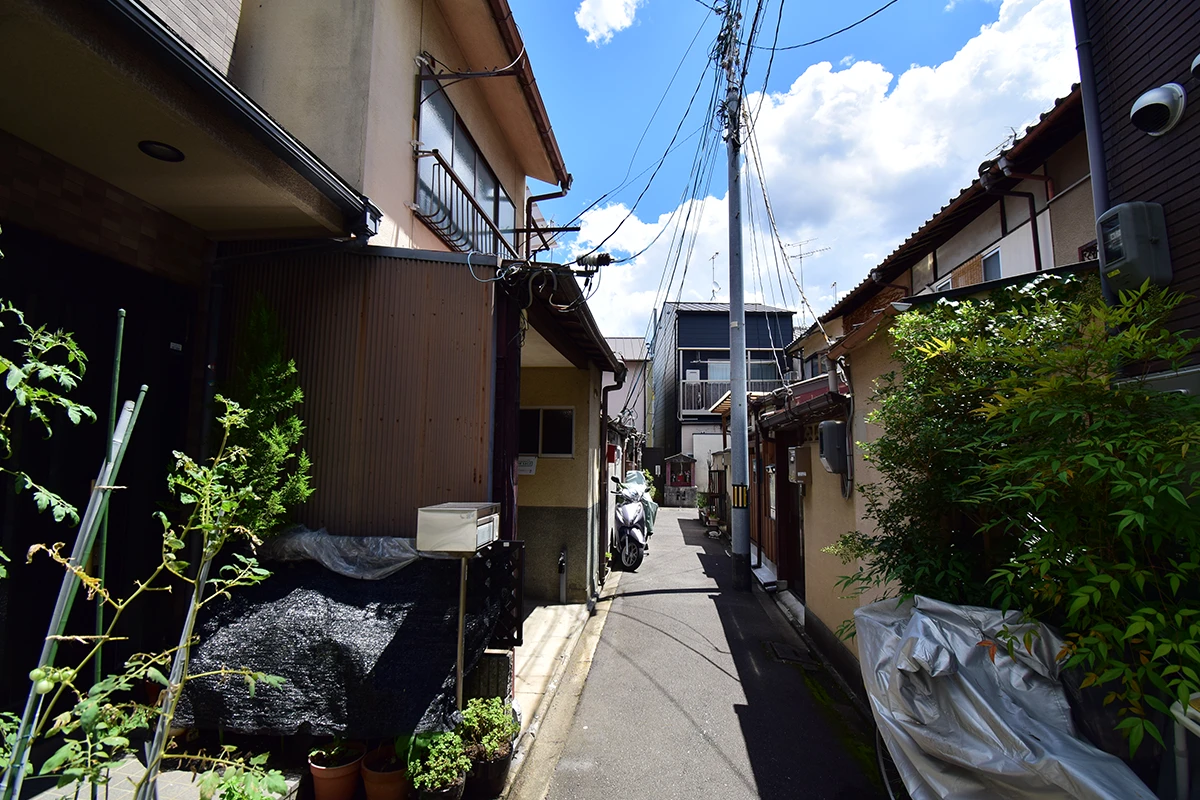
[
  {"x": 385, "y": 770},
  {"x": 488, "y": 729},
  {"x": 441, "y": 772},
  {"x": 335, "y": 768}
]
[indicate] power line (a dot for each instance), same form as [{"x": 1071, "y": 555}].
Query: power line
[{"x": 827, "y": 36}]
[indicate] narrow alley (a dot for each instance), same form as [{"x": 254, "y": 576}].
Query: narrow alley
[{"x": 686, "y": 697}]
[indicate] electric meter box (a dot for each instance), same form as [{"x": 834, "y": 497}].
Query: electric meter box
[
  {"x": 1132, "y": 241},
  {"x": 831, "y": 438},
  {"x": 461, "y": 528}
]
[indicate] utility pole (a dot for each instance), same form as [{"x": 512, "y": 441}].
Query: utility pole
[{"x": 739, "y": 439}]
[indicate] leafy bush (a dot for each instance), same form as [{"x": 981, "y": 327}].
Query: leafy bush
[
  {"x": 444, "y": 762},
  {"x": 655, "y": 494},
  {"x": 46, "y": 366},
  {"x": 488, "y": 728},
  {"x": 1028, "y": 460},
  {"x": 276, "y": 467}
]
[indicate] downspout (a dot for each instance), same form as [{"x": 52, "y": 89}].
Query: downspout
[
  {"x": 537, "y": 198},
  {"x": 604, "y": 491},
  {"x": 1091, "y": 121},
  {"x": 988, "y": 181}
]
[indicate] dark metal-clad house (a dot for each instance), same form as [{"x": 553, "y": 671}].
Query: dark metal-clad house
[
  {"x": 1136, "y": 46},
  {"x": 690, "y": 370}
]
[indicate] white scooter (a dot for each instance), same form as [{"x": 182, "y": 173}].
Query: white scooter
[{"x": 634, "y": 516}]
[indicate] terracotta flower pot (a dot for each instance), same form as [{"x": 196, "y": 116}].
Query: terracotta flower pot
[
  {"x": 486, "y": 778},
  {"x": 382, "y": 783},
  {"x": 337, "y": 782}
]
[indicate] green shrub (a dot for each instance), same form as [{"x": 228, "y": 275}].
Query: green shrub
[
  {"x": 443, "y": 763},
  {"x": 488, "y": 728},
  {"x": 276, "y": 467},
  {"x": 1030, "y": 472}
]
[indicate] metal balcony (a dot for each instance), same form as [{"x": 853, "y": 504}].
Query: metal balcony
[
  {"x": 450, "y": 209},
  {"x": 696, "y": 397}
]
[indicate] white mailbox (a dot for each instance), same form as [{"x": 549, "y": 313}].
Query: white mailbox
[{"x": 457, "y": 527}]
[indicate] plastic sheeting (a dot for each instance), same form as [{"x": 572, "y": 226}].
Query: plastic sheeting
[
  {"x": 637, "y": 480},
  {"x": 369, "y": 558},
  {"x": 959, "y": 725},
  {"x": 361, "y": 659}
]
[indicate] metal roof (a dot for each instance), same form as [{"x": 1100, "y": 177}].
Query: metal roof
[
  {"x": 751, "y": 308},
  {"x": 629, "y": 348}
]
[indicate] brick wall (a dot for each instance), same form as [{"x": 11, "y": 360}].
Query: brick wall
[
  {"x": 969, "y": 273},
  {"x": 210, "y": 26},
  {"x": 886, "y": 295},
  {"x": 46, "y": 194}
]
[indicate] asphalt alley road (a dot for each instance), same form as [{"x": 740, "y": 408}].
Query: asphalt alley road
[{"x": 686, "y": 697}]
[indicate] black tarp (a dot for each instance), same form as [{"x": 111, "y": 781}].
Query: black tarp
[{"x": 361, "y": 659}]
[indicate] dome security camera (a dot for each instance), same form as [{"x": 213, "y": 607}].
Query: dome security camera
[
  {"x": 1196, "y": 69},
  {"x": 1158, "y": 110}
]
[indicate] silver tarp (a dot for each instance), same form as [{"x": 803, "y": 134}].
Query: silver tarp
[
  {"x": 637, "y": 480},
  {"x": 370, "y": 558},
  {"x": 961, "y": 726}
]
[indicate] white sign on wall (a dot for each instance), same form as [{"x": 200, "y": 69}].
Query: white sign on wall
[{"x": 526, "y": 465}]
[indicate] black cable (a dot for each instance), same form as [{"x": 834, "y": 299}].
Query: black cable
[
  {"x": 770, "y": 63},
  {"x": 666, "y": 91},
  {"x": 829, "y": 35},
  {"x": 653, "y": 174}
]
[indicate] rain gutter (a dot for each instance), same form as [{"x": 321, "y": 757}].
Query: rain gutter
[{"x": 511, "y": 36}]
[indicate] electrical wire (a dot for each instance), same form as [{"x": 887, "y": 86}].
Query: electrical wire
[
  {"x": 770, "y": 63},
  {"x": 828, "y": 36},
  {"x": 756, "y": 159}
]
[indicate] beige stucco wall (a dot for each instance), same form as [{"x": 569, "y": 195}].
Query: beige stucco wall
[
  {"x": 827, "y": 515},
  {"x": 978, "y": 234},
  {"x": 562, "y": 482},
  {"x": 307, "y": 63},
  {"x": 1074, "y": 219},
  {"x": 341, "y": 75}
]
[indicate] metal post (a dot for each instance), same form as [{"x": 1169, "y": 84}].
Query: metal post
[
  {"x": 738, "y": 427},
  {"x": 462, "y": 624},
  {"x": 102, "y": 538},
  {"x": 14, "y": 775}
]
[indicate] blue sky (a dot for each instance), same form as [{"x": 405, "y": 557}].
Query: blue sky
[{"x": 862, "y": 137}]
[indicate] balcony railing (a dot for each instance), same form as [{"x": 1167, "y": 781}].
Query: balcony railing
[
  {"x": 451, "y": 210},
  {"x": 699, "y": 396}
]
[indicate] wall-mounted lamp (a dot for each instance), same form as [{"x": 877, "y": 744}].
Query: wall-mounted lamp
[{"x": 1158, "y": 110}]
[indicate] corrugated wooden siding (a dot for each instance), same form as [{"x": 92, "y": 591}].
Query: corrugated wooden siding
[
  {"x": 1138, "y": 45},
  {"x": 395, "y": 362}
]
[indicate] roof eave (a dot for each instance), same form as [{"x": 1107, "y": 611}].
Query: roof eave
[{"x": 361, "y": 215}]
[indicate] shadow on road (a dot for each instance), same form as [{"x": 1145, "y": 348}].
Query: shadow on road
[{"x": 803, "y": 736}]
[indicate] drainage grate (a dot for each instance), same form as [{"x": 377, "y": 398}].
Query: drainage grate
[{"x": 793, "y": 654}]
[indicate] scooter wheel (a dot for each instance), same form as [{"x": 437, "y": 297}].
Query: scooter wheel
[{"x": 631, "y": 557}]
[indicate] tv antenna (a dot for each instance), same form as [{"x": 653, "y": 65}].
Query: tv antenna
[{"x": 799, "y": 257}]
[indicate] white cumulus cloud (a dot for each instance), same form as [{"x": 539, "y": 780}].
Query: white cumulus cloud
[
  {"x": 600, "y": 19},
  {"x": 855, "y": 159}
]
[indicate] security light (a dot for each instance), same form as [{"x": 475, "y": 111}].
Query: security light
[{"x": 1158, "y": 110}]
